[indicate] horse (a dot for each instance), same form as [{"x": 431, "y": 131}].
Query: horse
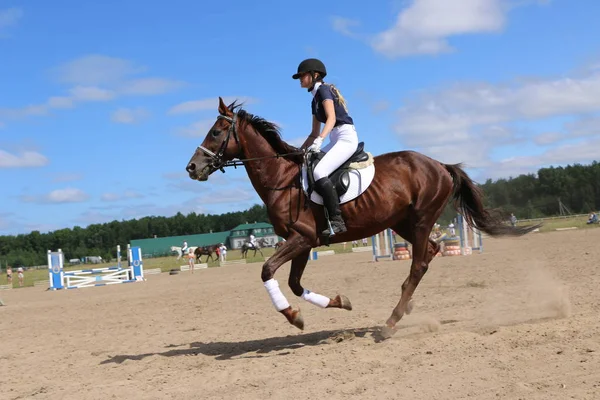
[
  {"x": 247, "y": 246},
  {"x": 177, "y": 249},
  {"x": 278, "y": 245},
  {"x": 206, "y": 251},
  {"x": 408, "y": 193}
]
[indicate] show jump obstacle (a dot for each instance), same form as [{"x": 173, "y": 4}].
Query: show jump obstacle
[
  {"x": 468, "y": 240},
  {"x": 60, "y": 279}
]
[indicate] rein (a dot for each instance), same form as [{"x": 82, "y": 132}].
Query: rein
[
  {"x": 218, "y": 164},
  {"x": 217, "y": 159}
]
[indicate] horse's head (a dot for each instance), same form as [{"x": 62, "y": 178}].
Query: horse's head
[{"x": 220, "y": 145}]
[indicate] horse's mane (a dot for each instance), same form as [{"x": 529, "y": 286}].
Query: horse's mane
[{"x": 268, "y": 130}]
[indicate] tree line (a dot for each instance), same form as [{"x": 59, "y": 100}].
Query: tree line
[
  {"x": 576, "y": 187},
  {"x": 102, "y": 239},
  {"x": 527, "y": 196}
]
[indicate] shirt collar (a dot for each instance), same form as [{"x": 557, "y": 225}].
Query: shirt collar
[{"x": 315, "y": 88}]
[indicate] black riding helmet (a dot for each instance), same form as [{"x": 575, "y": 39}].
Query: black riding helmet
[{"x": 310, "y": 65}]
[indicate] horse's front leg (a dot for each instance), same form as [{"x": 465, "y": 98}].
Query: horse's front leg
[
  {"x": 296, "y": 271},
  {"x": 296, "y": 246}
]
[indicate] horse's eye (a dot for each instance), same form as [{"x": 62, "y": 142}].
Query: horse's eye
[{"x": 215, "y": 132}]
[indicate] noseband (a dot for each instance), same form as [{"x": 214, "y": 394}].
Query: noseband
[{"x": 217, "y": 161}]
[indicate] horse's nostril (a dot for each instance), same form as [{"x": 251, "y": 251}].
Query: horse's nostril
[{"x": 191, "y": 167}]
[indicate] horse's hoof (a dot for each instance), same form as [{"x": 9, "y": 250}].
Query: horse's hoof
[
  {"x": 344, "y": 302},
  {"x": 388, "y": 331},
  {"x": 409, "y": 307},
  {"x": 298, "y": 320}
]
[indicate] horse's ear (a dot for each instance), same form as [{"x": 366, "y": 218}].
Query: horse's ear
[{"x": 223, "y": 110}]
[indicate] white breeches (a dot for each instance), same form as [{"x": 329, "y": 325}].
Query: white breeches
[{"x": 343, "y": 143}]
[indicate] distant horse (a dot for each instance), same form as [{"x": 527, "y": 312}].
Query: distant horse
[
  {"x": 177, "y": 250},
  {"x": 278, "y": 245},
  {"x": 408, "y": 193},
  {"x": 206, "y": 251},
  {"x": 247, "y": 246}
]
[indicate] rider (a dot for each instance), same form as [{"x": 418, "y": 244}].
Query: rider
[
  {"x": 252, "y": 240},
  {"x": 328, "y": 107},
  {"x": 184, "y": 249}
]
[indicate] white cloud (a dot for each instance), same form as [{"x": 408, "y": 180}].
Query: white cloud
[
  {"x": 194, "y": 106},
  {"x": 472, "y": 122},
  {"x": 344, "y": 25},
  {"x": 223, "y": 196},
  {"x": 96, "y": 78},
  {"x": 96, "y": 70},
  {"x": 68, "y": 195},
  {"x": 548, "y": 138},
  {"x": 197, "y": 129},
  {"x": 31, "y": 110},
  {"x": 129, "y": 115},
  {"x": 91, "y": 93},
  {"x": 450, "y": 114},
  {"x": 22, "y": 160},
  {"x": 150, "y": 86},
  {"x": 128, "y": 194},
  {"x": 424, "y": 26},
  {"x": 582, "y": 152},
  {"x": 60, "y": 102},
  {"x": 586, "y": 126},
  {"x": 10, "y": 17}
]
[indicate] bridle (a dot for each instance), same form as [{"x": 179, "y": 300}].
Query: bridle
[{"x": 217, "y": 161}]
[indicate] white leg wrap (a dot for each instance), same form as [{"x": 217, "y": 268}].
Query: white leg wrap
[
  {"x": 278, "y": 299},
  {"x": 315, "y": 298}
]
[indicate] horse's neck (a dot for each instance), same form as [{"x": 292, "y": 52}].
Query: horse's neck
[{"x": 269, "y": 170}]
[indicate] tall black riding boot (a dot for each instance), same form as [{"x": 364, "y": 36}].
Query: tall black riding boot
[{"x": 325, "y": 188}]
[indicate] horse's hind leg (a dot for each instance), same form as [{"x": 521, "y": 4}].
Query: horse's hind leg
[
  {"x": 296, "y": 271},
  {"x": 424, "y": 250}
]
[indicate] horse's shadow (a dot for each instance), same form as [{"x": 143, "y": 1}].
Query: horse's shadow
[{"x": 256, "y": 348}]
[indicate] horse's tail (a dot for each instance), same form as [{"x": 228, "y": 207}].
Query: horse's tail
[{"x": 468, "y": 200}]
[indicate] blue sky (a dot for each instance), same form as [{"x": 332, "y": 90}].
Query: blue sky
[{"x": 103, "y": 103}]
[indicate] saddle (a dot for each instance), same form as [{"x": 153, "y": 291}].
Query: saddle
[{"x": 340, "y": 177}]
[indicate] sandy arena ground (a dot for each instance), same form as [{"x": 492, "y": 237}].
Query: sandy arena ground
[{"x": 520, "y": 321}]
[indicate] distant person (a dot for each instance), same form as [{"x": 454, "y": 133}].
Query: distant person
[
  {"x": 21, "y": 276},
  {"x": 593, "y": 219},
  {"x": 9, "y": 274},
  {"x": 223, "y": 252},
  {"x": 191, "y": 260},
  {"x": 513, "y": 219},
  {"x": 253, "y": 240},
  {"x": 452, "y": 230}
]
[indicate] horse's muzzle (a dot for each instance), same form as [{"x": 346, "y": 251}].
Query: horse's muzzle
[{"x": 196, "y": 173}]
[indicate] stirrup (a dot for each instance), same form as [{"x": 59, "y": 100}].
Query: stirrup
[{"x": 340, "y": 225}]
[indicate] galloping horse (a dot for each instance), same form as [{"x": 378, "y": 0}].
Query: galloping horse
[
  {"x": 205, "y": 251},
  {"x": 247, "y": 246},
  {"x": 408, "y": 194}
]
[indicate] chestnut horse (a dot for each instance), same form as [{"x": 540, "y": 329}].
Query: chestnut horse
[
  {"x": 408, "y": 194},
  {"x": 205, "y": 251}
]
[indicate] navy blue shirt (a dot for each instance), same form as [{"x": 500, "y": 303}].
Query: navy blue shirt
[{"x": 325, "y": 92}]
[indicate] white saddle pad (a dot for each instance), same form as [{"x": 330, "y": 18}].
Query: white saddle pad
[{"x": 360, "y": 179}]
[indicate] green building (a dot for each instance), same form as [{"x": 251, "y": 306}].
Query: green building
[
  {"x": 241, "y": 234},
  {"x": 233, "y": 239}
]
